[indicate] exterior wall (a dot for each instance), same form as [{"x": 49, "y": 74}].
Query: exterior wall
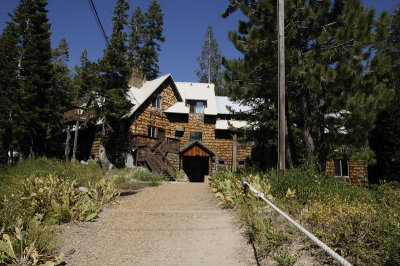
[
  {"x": 94, "y": 151},
  {"x": 357, "y": 169},
  {"x": 147, "y": 115}
]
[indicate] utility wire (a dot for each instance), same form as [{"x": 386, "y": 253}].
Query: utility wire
[{"x": 93, "y": 8}]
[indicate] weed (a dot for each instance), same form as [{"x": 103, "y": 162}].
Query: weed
[
  {"x": 361, "y": 224},
  {"x": 32, "y": 246},
  {"x": 284, "y": 258}
]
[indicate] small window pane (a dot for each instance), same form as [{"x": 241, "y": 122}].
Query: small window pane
[
  {"x": 195, "y": 136},
  {"x": 338, "y": 171},
  {"x": 157, "y": 102},
  {"x": 151, "y": 131},
  {"x": 199, "y": 107},
  {"x": 345, "y": 168}
]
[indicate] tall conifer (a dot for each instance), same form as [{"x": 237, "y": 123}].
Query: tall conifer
[
  {"x": 136, "y": 39},
  {"x": 385, "y": 139},
  {"x": 35, "y": 72},
  {"x": 210, "y": 60},
  {"x": 114, "y": 68},
  {"x": 10, "y": 109},
  {"x": 153, "y": 40},
  {"x": 326, "y": 51},
  {"x": 63, "y": 93}
]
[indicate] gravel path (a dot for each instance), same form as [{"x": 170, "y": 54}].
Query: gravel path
[{"x": 173, "y": 224}]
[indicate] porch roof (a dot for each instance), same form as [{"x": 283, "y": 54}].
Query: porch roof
[{"x": 198, "y": 143}]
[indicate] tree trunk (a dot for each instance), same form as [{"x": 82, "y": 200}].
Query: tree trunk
[
  {"x": 307, "y": 126},
  {"x": 66, "y": 153},
  {"x": 75, "y": 141},
  {"x": 288, "y": 145},
  {"x": 104, "y": 162},
  {"x": 323, "y": 146}
]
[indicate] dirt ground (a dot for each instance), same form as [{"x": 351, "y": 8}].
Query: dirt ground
[{"x": 173, "y": 224}]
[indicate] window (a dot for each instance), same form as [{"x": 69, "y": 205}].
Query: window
[
  {"x": 151, "y": 131},
  {"x": 241, "y": 163},
  {"x": 157, "y": 102},
  {"x": 196, "y": 107},
  {"x": 195, "y": 136},
  {"x": 341, "y": 167},
  {"x": 213, "y": 164},
  {"x": 221, "y": 165}
]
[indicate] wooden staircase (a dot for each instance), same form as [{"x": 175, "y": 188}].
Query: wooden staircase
[{"x": 155, "y": 157}]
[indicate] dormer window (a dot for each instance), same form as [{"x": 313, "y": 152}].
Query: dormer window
[
  {"x": 196, "y": 107},
  {"x": 157, "y": 102}
]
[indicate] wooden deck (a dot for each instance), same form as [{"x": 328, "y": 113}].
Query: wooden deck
[{"x": 76, "y": 114}]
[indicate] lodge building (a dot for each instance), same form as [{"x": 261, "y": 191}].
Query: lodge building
[{"x": 178, "y": 126}]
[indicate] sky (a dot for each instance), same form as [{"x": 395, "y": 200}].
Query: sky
[{"x": 185, "y": 25}]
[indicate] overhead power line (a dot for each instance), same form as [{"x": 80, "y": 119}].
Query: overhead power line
[{"x": 96, "y": 15}]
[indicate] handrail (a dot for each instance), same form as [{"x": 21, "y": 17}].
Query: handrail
[{"x": 322, "y": 245}]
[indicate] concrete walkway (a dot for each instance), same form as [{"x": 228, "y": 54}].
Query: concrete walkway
[{"x": 173, "y": 224}]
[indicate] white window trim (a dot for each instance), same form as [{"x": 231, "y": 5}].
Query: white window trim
[
  {"x": 153, "y": 132},
  {"x": 155, "y": 101},
  {"x": 341, "y": 168}
]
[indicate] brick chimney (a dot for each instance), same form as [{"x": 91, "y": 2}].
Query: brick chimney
[{"x": 136, "y": 79}]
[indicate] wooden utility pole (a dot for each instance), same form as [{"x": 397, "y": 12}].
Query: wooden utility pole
[
  {"x": 234, "y": 153},
  {"x": 281, "y": 73}
]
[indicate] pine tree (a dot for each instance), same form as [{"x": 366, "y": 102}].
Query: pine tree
[
  {"x": 10, "y": 110},
  {"x": 136, "y": 39},
  {"x": 86, "y": 77},
  {"x": 153, "y": 38},
  {"x": 385, "y": 140},
  {"x": 210, "y": 60},
  {"x": 114, "y": 68},
  {"x": 34, "y": 73},
  {"x": 326, "y": 51},
  {"x": 63, "y": 93}
]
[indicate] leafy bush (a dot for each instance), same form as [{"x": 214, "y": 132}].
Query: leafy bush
[
  {"x": 362, "y": 224},
  {"x": 37, "y": 193},
  {"x": 58, "y": 199},
  {"x": 32, "y": 246}
]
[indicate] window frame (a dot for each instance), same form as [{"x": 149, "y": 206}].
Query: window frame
[
  {"x": 194, "y": 136},
  {"x": 152, "y": 131},
  {"x": 340, "y": 161},
  {"x": 157, "y": 102},
  {"x": 194, "y": 108},
  {"x": 221, "y": 165}
]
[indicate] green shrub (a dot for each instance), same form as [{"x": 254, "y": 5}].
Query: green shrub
[
  {"x": 57, "y": 198},
  {"x": 362, "y": 224},
  {"x": 28, "y": 246}
]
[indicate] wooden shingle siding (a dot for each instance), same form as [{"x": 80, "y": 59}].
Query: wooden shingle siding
[
  {"x": 180, "y": 126},
  {"x": 357, "y": 170}
]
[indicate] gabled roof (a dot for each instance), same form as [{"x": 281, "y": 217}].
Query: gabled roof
[
  {"x": 188, "y": 147},
  {"x": 196, "y": 92},
  {"x": 138, "y": 96},
  {"x": 186, "y": 91}
]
